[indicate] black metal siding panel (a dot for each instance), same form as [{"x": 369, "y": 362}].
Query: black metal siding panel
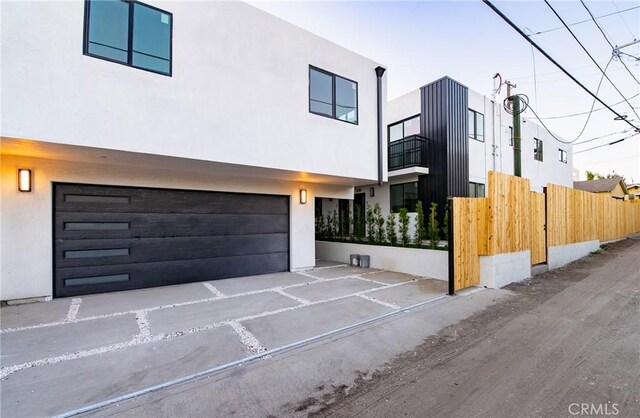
[
  {"x": 167, "y": 236},
  {"x": 444, "y": 117}
]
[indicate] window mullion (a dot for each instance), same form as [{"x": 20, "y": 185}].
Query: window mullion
[
  {"x": 333, "y": 96},
  {"x": 130, "y": 48}
]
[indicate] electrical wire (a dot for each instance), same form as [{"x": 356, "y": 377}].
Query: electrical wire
[
  {"x": 524, "y": 100},
  {"x": 613, "y": 48},
  {"x": 605, "y": 145},
  {"x": 590, "y": 56},
  {"x": 594, "y": 110},
  {"x": 624, "y": 22},
  {"x": 602, "y": 136},
  {"x": 585, "y": 21},
  {"x": 547, "y": 56}
]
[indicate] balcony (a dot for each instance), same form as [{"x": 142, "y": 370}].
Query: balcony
[{"x": 408, "y": 152}]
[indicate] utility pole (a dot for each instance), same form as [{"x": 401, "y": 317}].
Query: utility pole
[{"x": 517, "y": 150}]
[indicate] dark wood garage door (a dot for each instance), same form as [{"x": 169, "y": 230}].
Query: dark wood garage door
[{"x": 109, "y": 238}]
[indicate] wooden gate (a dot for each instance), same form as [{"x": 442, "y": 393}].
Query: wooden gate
[{"x": 538, "y": 239}]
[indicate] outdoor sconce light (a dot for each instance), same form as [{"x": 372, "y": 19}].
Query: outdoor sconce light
[
  {"x": 372, "y": 192},
  {"x": 303, "y": 196},
  {"x": 24, "y": 180}
]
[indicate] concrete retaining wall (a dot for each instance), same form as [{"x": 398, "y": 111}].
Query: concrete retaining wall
[
  {"x": 564, "y": 254},
  {"x": 421, "y": 262},
  {"x": 501, "y": 269}
]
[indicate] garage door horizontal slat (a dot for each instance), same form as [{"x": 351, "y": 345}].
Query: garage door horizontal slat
[
  {"x": 169, "y": 225},
  {"x": 166, "y": 201},
  {"x": 174, "y": 272},
  {"x": 179, "y": 248}
]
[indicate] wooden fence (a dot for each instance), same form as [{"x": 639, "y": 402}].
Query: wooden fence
[{"x": 512, "y": 218}]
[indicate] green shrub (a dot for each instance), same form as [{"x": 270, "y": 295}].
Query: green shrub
[
  {"x": 379, "y": 224},
  {"x": 403, "y": 216},
  {"x": 420, "y": 234},
  {"x": 392, "y": 235},
  {"x": 445, "y": 223},
  {"x": 433, "y": 230},
  {"x": 370, "y": 224},
  {"x": 321, "y": 228},
  {"x": 358, "y": 228}
]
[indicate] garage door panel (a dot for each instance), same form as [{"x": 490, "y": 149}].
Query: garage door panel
[
  {"x": 93, "y": 252},
  {"x": 74, "y": 226},
  {"x": 83, "y": 198},
  {"x": 143, "y": 275},
  {"x": 109, "y": 238}
]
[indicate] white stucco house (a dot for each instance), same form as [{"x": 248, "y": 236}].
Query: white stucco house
[
  {"x": 163, "y": 142},
  {"x": 443, "y": 139}
]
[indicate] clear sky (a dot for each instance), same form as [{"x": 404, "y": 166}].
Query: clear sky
[{"x": 423, "y": 40}]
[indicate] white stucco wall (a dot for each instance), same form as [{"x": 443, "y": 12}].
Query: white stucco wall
[
  {"x": 420, "y": 262},
  {"x": 26, "y": 218},
  {"x": 238, "y": 93}
]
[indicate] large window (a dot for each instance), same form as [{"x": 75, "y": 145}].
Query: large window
[
  {"x": 404, "y": 128},
  {"x": 476, "y": 190},
  {"x": 562, "y": 155},
  {"x": 333, "y": 96},
  {"x": 404, "y": 196},
  {"x": 130, "y": 33},
  {"x": 537, "y": 151},
  {"x": 476, "y": 125}
]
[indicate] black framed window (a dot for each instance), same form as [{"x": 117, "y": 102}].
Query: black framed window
[
  {"x": 537, "y": 151},
  {"x": 130, "y": 33},
  {"x": 404, "y": 196},
  {"x": 476, "y": 125},
  {"x": 562, "y": 155},
  {"x": 333, "y": 96},
  {"x": 404, "y": 128},
  {"x": 476, "y": 190}
]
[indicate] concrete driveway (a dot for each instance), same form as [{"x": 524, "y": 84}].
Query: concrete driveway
[{"x": 68, "y": 353}]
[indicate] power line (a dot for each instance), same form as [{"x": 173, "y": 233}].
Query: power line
[
  {"x": 590, "y": 56},
  {"x": 585, "y": 21},
  {"x": 605, "y": 145},
  {"x": 543, "y": 52},
  {"x": 613, "y": 48},
  {"x": 602, "y": 136},
  {"x": 595, "y": 110},
  {"x": 624, "y": 22}
]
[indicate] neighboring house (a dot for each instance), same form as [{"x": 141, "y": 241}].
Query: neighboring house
[
  {"x": 613, "y": 187},
  {"x": 170, "y": 142},
  {"x": 443, "y": 139},
  {"x": 634, "y": 190}
]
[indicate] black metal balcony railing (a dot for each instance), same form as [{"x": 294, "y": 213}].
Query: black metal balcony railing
[{"x": 408, "y": 152}]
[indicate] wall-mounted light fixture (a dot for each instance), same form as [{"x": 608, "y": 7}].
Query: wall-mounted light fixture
[
  {"x": 372, "y": 191},
  {"x": 303, "y": 196},
  {"x": 24, "y": 180}
]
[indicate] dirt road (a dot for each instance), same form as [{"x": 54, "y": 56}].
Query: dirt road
[{"x": 567, "y": 345}]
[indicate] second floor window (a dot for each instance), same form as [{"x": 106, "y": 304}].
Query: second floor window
[
  {"x": 405, "y": 128},
  {"x": 404, "y": 196},
  {"x": 333, "y": 96},
  {"x": 476, "y": 190},
  {"x": 130, "y": 33},
  {"x": 537, "y": 151},
  {"x": 562, "y": 155},
  {"x": 476, "y": 125}
]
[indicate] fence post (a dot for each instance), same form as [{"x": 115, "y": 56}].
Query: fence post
[{"x": 450, "y": 247}]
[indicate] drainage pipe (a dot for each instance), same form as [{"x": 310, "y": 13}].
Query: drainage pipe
[
  {"x": 223, "y": 367},
  {"x": 379, "y": 73}
]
